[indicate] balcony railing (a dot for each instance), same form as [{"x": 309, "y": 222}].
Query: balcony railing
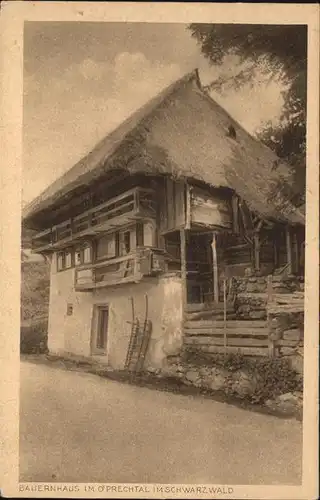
[
  {"x": 133, "y": 205},
  {"x": 127, "y": 269}
]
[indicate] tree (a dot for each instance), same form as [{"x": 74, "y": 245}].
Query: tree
[{"x": 277, "y": 51}]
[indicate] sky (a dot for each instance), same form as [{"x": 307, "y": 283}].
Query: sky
[{"x": 82, "y": 79}]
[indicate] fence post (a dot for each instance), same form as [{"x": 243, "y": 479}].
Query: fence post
[
  {"x": 225, "y": 315},
  {"x": 271, "y": 341}
]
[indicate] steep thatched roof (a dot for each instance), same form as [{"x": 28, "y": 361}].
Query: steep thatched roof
[{"x": 184, "y": 133}]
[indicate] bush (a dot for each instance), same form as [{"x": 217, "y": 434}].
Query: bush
[
  {"x": 34, "y": 338},
  {"x": 274, "y": 376}
]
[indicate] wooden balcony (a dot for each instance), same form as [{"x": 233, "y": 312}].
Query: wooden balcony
[
  {"x": 133, "y": 205},
  {"x": 127, "y": 269}
]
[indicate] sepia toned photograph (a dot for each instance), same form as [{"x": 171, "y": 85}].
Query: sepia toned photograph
[{"x": 163, "y": 257}]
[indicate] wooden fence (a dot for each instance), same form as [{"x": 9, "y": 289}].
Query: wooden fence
[{"x": 248, "y": 337}]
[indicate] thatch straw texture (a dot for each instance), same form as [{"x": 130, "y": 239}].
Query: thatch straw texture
[{"x": 183, "y": 133}]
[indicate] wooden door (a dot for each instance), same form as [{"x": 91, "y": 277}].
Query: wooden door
[{"x": 101, "y": 334}]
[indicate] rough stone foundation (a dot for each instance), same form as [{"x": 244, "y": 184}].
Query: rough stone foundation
[
  {"x": 251, "y": 294},
  {"x": 287, "y": 330}
]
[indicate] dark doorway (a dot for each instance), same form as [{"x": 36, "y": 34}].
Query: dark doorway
[{"x": 102, "y": 329}]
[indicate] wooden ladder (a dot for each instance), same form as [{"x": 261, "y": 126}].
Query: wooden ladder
[{"x": 139, "y": 341}]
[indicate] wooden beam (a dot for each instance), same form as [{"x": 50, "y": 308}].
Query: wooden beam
[
  {"x": 183, "y": 267},
  {"x": 215, "y": 268},
  {"x": 259, "y": 226},
  {"x": 188, "y": 206},
  {"x": 171, "y": 215},
  {"x": 295, "y": 251},
  {"x": 246, "y": 217},
  {"x": 256, "y": 248},
  {"x": 289, "y": 249},
  {"x": 235, "y": 214},
  {"x": 271, "y": 343}
]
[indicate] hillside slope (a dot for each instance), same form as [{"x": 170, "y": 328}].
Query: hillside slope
[{"x": 35, "y": 285}]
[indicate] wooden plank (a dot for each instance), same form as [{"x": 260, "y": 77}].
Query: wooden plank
[
  {"x": 230, "y": 332},
  {"x": 215, "y": 268},
  {"x": 208, "y": 307},
  {"x": 107, "y": 283},
  {"x": 210, "y": 209},
  {"x": 242, "y": 324},
  {"x": 287, "y": 298},
  {"x": 290, "y": 343},
  {"x": 210, "y": 217},
  {"x": 246, "y": 351},
  {"x": 45, "y": 232},
  {"x": 299, "y": 308},
  {"x": 179, "y": 201},
  {"x": 211, "y": 341}
]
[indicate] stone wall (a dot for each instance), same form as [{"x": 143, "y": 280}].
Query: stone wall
[
  {"x": 251, "y": 293},
  {"x": 287, "y": 330},
  {"x": 215, "y": 378},
  {"x": 265, "y": 381}
]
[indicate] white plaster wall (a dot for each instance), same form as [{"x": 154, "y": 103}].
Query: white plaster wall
[
  {"x": 68, "y": 333},
  {"x": 167, "y": 333},
  {"x": 120, "y": 315},
  {"x": 164, "y": 311},
  {"x": 72, "y": 334}
]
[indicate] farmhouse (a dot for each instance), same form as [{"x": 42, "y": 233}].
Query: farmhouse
[{"x": 173, "y": 222}]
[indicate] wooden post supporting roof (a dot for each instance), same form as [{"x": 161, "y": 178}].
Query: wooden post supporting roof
[
  {"x": 289, "y": 249},
  {"x": 295, "y": 251},
  {"x": 235, "y": 214},
  {"x": 188, "y": 205},
  {"x": 215, "y": 277},
  {"x": 183, "y": 267},
  {"x": 271, "y": 342},
  {"x": 256, "y": 247}
]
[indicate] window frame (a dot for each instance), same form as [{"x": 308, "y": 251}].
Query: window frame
[
  {"x": 81, "y": 251},
  {"x": 68, "y": 252},
  {"x": 63, "y": 261},
  {"x": 63, "y": 255},
  {"x": 99, "y": 311}
]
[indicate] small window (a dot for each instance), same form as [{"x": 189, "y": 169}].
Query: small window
[
  {"x": 60, "y": 261},
  {"x": 87, "y": 255},
  {"x": 69, "y": 309},
  {"x": 232, "y": 132},
  {"x": 77, "y": 257},
  {"x": 125, "y": 242},
  {"x": 117, "y": 237},
  {"x": 106, "y": 247},
  {"x": 149, "y": 234},
  {"x": 140, "y": 234}
]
